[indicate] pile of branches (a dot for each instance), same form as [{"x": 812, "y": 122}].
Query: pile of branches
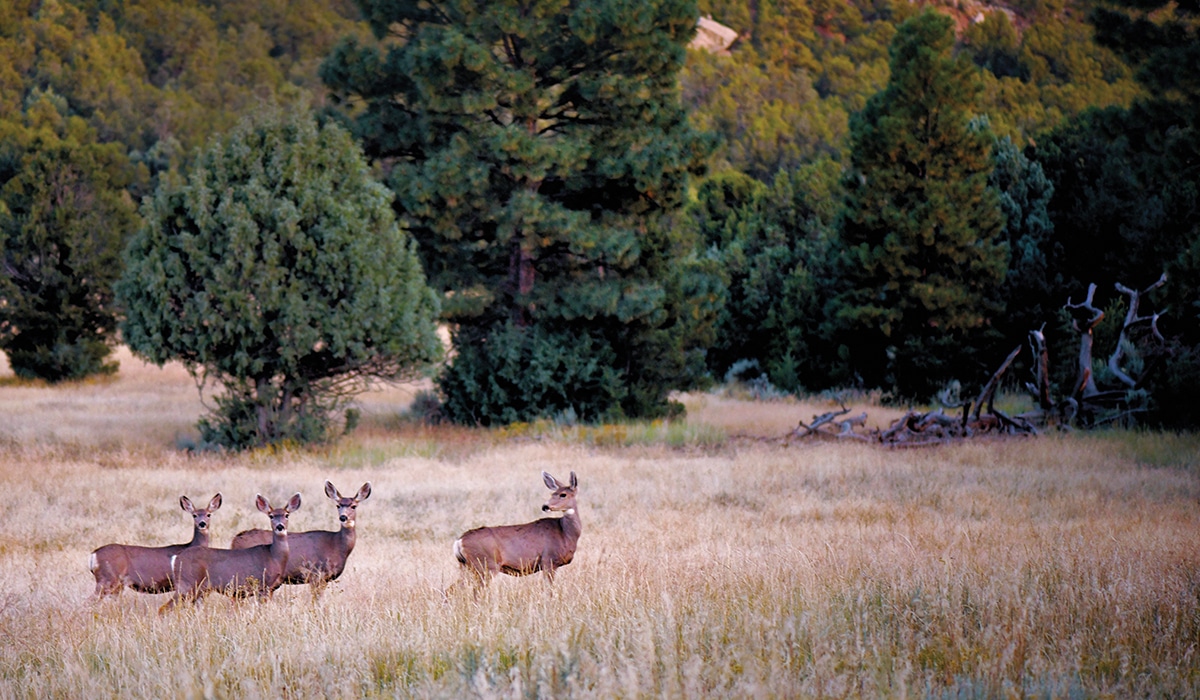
[
  {"x": 917, "y": 428},
  {"x": 981, "y": 417}
]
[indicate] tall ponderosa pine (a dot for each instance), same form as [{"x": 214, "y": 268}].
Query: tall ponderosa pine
[
  {"x": 924, "y": 256},
  {"x": 534, "y": 148},
  {"x": 277, "y": 269}
]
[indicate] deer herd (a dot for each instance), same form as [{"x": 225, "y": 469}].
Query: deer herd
[{"x": 260, "y": 561}]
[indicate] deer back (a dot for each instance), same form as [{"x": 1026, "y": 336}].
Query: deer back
[
  {"x": 541, "y": 545},
  {"x": 315, "y": 555},
  {"x": 144, "y": 569},
  {"x": 312, "y": 555},
  {"x": 256, "y": 570},
  {"x": 147, "y": 569},
  {"x": 517, "y": 549}
]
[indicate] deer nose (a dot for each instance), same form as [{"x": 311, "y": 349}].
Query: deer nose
[
  {"x": 280, "y": 528},
  {"x": 343, "y": 518},
  {"x": 545, "y": 507},
  {"x": 201, "y": 524}
]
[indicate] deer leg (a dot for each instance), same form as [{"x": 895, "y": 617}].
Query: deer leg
[
  {"x": 318, "y": 587},
  {"x": 171, "y": 603},
  {"x": 103, "y": 590}
]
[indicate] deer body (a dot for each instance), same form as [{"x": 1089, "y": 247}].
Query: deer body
[
  {"x": 317, "y": 556},
  {"x": 542, "y": 545},
  {"x": 239, "y": 573},
  {"x": 147, "y": 569}
]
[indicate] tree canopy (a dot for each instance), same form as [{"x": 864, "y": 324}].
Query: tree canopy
[
  {"x": 64, "y": 216},
  {"x": 277, "y": 269},
  {"x": 535, "y": 150},
  {"x": 923, "y": 258}
]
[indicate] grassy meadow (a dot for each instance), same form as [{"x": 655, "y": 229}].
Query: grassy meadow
[{"x": 713, "y": 563}]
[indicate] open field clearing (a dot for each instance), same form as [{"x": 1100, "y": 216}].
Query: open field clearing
[{"x": 710, "y": 565}]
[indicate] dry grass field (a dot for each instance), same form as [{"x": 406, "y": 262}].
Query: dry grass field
[{"x": 711, "y": 564}]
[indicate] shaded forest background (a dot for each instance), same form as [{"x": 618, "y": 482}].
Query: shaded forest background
[{"x": 1090, "y": 172}]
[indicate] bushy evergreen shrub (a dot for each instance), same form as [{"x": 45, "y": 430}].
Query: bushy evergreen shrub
[
  {"x": 277, "y": 270},
  {"x": 527, "y": 373}
]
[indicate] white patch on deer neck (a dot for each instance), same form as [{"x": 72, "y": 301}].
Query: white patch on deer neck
[{"x": 570, "y": 511}]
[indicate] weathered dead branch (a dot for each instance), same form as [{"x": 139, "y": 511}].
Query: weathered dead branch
[
  {"x": 1087, "y": 402},
  {"x": 917, "y": 428},
  {"x": 827, "y": 425}
]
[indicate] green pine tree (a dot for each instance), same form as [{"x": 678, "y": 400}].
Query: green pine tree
[
  {"x": 924, "y": 257},
  {"x": 535, "y": 149},
  {"x": 64, "y": 217},
  {"x": 773, "y": 245},
  {"x": 277, "y": 270}
]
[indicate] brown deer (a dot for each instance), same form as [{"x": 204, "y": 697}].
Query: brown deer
[
  {"x": 146, "y": 569},
  {"x": 317, "y": 556},
  {"x": 238, "y": 573},
  {"x": 542, "y": 545}
]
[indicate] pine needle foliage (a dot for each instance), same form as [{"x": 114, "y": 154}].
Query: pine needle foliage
[
  {"x": 535, "y": 149},
  {"x": 64, "y": 217},
  {"x": 924, "y": 252}
]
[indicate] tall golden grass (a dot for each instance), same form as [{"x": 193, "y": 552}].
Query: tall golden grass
[{"x": 1063, "y": 566}]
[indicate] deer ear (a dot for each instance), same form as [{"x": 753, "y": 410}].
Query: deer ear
[
  {"x": 294, "y": 503},
  {"x": 331, "y": 491},
  {"x": 551, "y": 482},
  {"x": 215, "y": 503},
  {"x": 574, "y": 481},
  {"x": 186, "y": 504},
  {"x": 263, "y": 504},
  {"x": 364, "y": 492}
]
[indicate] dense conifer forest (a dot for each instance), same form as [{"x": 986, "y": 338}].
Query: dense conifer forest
[{"x": 869, "y": 194}]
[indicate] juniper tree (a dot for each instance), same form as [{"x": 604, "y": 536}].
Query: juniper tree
[
  {"x": 277, "y": 269},
  {"x": 535, "y": 148}
]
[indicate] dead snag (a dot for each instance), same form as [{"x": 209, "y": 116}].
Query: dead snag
[
  {"x": 988, "y": 395},
  {"x": 1084, "y": 318},
  {"x": 1132, "y": 321}
]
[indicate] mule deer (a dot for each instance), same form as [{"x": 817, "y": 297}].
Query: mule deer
[
  {"x": 317, "y": 556},
  {"x": 238, "y": 573},
  {"x": 146, "y": 569},
  {"x": 542, "y": 545}
]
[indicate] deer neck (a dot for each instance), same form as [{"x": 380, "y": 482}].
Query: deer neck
[
  {"x": 346, "y": 536},
  {"x": 571, "y": 525},
  {"x": 279, "y": 544},
  {"x": 199, "y": 538}
]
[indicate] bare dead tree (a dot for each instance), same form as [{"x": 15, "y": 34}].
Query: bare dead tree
[
  {"x": 1133, "y": 321},
  {"x": 1086, "y": 401},
  {"x": 1084, "y": 318}
]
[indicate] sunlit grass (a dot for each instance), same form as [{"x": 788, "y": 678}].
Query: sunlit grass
[
  {"x": 1062, "y": 566},
  {"x": 672, "y": 433}
]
